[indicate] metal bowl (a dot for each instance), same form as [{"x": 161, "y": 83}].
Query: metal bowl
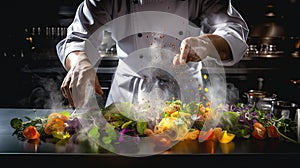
[{"x": 285, "y": 109}]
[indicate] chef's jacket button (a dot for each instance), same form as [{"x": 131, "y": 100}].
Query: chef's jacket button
[
  {"x": 140, "y": 35},
  {"x": 180, "y": 32}
]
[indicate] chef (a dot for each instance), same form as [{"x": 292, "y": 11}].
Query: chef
[{"x": 155, "y": 41}]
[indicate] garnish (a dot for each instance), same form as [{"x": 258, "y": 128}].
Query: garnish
[{"x": 116, "y": 124}]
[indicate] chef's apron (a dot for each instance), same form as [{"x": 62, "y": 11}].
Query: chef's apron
[{"x": 146, "y": 47}]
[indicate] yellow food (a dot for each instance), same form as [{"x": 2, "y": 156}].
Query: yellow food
[
  {"x": 218, "y": 133},
  {"x": 173, "y": 127},
  {"x": 191, "y": 135},
  {"x": 181, "y": 114},
  {"x": 226, "y": 137}
]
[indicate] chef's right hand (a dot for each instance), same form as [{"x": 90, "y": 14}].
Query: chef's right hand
[
  {"x": 192, "y": 49},
  {"x": 81, "y": 77},
  {"x": 197, "y": 48}
]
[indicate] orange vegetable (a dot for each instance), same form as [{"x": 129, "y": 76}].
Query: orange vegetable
[
  {"x": 54, "y": 125},
  {"x": 191, "y": 135},
  {"x": 272, "y": 132},
  {"x": 218, "y": 133},
  {"x": 30, "y": 132},
  {"x": 259, "y": 131},
  {"x": 222, "y": 136},
  {"x": 57, "y": 115}
]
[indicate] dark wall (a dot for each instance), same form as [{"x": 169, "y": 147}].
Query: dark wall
[
  {"x": 16, "y": 15},
  {"x": 287, "y": 13}
]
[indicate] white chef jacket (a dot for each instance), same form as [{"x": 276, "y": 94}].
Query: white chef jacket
[{"x": 133, "y": 22}]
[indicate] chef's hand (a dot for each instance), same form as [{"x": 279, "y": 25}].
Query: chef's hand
[
  {"x": 198, "y": 48},
  {"x": 81, "y": 77}
]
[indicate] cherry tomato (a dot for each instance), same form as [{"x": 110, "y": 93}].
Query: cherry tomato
[
  {"x": 30, "y": 132},
  {"x": 259, "y": 131}
]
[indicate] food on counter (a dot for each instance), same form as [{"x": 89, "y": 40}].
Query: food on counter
[
  {"x": 30, "y": 132},
  {"x": 193, "y": 134},
  {"x": 54, "y": 125},
  {"x": 206, "y": 135},
  {"x": 115, "y": 124},
  {"x": 226, "y": 137},
  {"x": 272, "y": 132},
  {"x": 63, "y": 116},
  {"x": 259, "y": 131}
]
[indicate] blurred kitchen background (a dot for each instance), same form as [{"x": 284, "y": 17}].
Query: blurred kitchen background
[{"x": 31, "y": 72}]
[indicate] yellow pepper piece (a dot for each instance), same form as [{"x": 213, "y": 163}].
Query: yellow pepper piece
[{"x": 226, "y": 137}]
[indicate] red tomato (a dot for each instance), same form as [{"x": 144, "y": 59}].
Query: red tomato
[
  {"x": 206, "y": 135},
  {"x": 259, "y": 131},
  {"x": 30, "y": 132},
  {"x": 272, "y": 132}
]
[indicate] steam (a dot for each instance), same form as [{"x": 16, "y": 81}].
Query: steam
[{"x": 46, "y": 92}]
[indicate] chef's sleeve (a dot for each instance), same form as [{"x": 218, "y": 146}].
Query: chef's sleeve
[
  {"x": 89, "y": 17},
  {"x": 221, "y": 18}
]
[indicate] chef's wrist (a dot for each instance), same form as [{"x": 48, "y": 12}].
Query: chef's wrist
[
  {"x": 218, "y": 47},
  {"x": 73, "y": 58}
]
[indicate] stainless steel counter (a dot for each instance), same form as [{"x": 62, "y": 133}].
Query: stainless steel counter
[{"x": 245, "y": 152}]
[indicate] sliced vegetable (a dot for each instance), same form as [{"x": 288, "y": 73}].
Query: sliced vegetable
[
  {"x": 226, "y": 137},
  {"x": 272, "y": 132},
  {"x": 222, "y": 136},
  {"x": 259, "y": 131},
  {"x": 31, "y": 132},
  {"x": 54, "y": 125},
  {"x": 191, "y": 135},
  {"x": 218, "y": 133},
  {"x": 206, "y": 135},
  {"x": 58, "y": 115}
]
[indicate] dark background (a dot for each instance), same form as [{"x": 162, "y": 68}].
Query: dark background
[{"x": 24, "y": 85}]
